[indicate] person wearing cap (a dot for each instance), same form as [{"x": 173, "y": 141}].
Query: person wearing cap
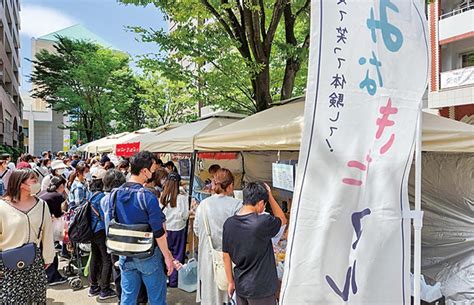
[
  {"x": 57, "y": 169},
  {"x": 101, "y": 262},
  {"x": 104, "y": 159},
  {"x": 5, "y": 173}
]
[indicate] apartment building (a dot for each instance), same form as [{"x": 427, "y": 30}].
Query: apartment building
[
  {"x": 451, "y": 33},
  {"x": 11, "y": 102}
]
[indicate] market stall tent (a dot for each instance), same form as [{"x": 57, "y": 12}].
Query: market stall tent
[
  {"x": 92, "y": 147},
  {"x": 102, "y": 145},
  {"x": 280, "y": 128},
  {"x": 147, "y": 136},
  {"x": 181, "y": 139},
  {"x": 108, "y": 145}
]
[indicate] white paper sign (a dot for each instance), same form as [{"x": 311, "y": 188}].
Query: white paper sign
[
  {"x": 348, "y": 242},
  {"x": 283, "y": 176}
]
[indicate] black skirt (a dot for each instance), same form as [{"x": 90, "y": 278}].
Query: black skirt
[{"x": 24, "y": 286}]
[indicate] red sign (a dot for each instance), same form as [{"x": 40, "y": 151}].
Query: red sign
[
  {"x": 218, "y": 156},
  {"x": 127, "y": 149}
]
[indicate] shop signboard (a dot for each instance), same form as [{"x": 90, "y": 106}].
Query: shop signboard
[{"x": 127, "y": 149}]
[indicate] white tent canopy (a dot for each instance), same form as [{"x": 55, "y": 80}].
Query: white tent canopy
[
  {"x": 93, "y": 146},
  {"x": 280, "y": 128},
  {"x": 108, "y": 145},
  {"x": 148, "y": 136},
  {"x": 181, "y": 139}
]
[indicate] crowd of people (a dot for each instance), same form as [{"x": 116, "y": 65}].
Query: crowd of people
[{"x": 138, "y": 213}]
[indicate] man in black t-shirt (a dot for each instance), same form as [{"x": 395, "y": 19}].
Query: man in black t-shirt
[{"x": 247, "y": 242}]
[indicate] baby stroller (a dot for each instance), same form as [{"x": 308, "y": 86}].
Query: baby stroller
[{"x": 79, "y": 254}]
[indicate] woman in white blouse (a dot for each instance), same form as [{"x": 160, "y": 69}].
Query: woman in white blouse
[
  {"x": 176, "y": 209},
  {"x": 25, "y": 223},
  {"x": 214, "y": 210}
]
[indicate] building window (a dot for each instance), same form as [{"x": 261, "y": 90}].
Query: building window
[
  {"x": 8, "y": 122},
  {"x": 467, "y": 60}
]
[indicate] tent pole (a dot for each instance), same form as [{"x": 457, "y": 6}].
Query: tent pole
[
  {"x": 191, "y": 177},
  {"x": 417, "y": 223}
]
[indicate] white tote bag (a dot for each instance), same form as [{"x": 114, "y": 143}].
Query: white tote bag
[{"x": 217, "y": 259}]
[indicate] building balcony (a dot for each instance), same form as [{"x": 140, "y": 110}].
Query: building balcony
[
  {"x": 456, "y": 88},
  {"x": 457, "y": 24},
  {"x": 457, "y": 78}
]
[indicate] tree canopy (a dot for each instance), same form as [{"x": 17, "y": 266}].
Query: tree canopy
[
  {"x": 235, "y": 55},
  {"x": 94, "y": 86}
]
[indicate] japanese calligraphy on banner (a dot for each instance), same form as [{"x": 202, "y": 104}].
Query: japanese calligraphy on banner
[
  {"x": 348, "y": 242},
  {"x": 127, "y": 149}
]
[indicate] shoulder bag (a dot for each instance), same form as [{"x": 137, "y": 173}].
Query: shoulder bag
[
  {"x": 217, "y": 258},
  {"x": 130, "y": 240},
  {"x": 21, "y": 257}
]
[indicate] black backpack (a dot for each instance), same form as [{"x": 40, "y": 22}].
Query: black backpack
[{"x": 80, "y": 230}]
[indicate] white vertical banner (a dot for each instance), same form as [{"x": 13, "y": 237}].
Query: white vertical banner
[{"x": 348, "y": 239}]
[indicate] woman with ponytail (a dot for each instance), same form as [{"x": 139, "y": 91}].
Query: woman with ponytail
[{"x": 176, "y": 209}]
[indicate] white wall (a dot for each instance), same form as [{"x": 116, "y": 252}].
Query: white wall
[{"x": 456, "y": 25}]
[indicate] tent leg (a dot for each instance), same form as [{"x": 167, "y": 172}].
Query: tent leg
[
  {"x": 417, "y": 223},
  {"x": 191, "y": 177}
]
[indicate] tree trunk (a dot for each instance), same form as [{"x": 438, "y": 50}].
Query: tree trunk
[
  {"x": 88, "y": 128},
  {"x": 292, "y": 63},
  {"x": 292, "y": 67},
  {"x": 263, "y": 99}
]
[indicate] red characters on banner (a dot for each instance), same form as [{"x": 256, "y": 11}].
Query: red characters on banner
[
  {"x": 127, "y": 149},
  {"x": 218, "y": 156},
  {"x": 382, "y": 123}
]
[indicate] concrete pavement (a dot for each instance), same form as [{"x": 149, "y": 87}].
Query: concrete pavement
[{"x": 64, "y": 295}]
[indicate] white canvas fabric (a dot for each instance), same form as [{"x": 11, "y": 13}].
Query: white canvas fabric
[{"x": 348, "y": 242}]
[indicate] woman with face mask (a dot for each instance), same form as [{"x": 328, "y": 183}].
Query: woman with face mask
[
  {"x": 57, "y": 170},
  {"x": 54, "y": 197},
  {"x": 77, "y": 186},
  {"x": 25, "y": 223}
]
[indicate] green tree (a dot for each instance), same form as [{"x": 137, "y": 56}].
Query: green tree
[
  {"x": 165, "y": 101},
  {"x": 93, "y": 85},
  {"x": 240, "y": 55}
]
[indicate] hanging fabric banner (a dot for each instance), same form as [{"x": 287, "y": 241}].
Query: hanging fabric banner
[
  {"x": 127, "y": 149},
  {"x": 348, "y": 241}
]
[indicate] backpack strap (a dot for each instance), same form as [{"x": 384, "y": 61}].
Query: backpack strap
[
  {"x": 113, "y": 197},
  {"x": 140, "y": 198},
  {"x": 4, "y": 173}
]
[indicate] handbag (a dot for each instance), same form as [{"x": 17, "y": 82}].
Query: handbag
[
  {"x": 187, "y": 276},
  {"x": 130, "y": 240},
  {"x": 21, "y": 257},
  {"x": 217, "y": 259}
]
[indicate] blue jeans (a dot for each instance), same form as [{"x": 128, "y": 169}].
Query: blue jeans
[{"x": 150, "y": 271}]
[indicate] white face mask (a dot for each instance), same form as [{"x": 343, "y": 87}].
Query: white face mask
[
  {"x": 60, "y": 171},
  {"x": 89, "y": 177},
  {"x": 35, "y": 188}
]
